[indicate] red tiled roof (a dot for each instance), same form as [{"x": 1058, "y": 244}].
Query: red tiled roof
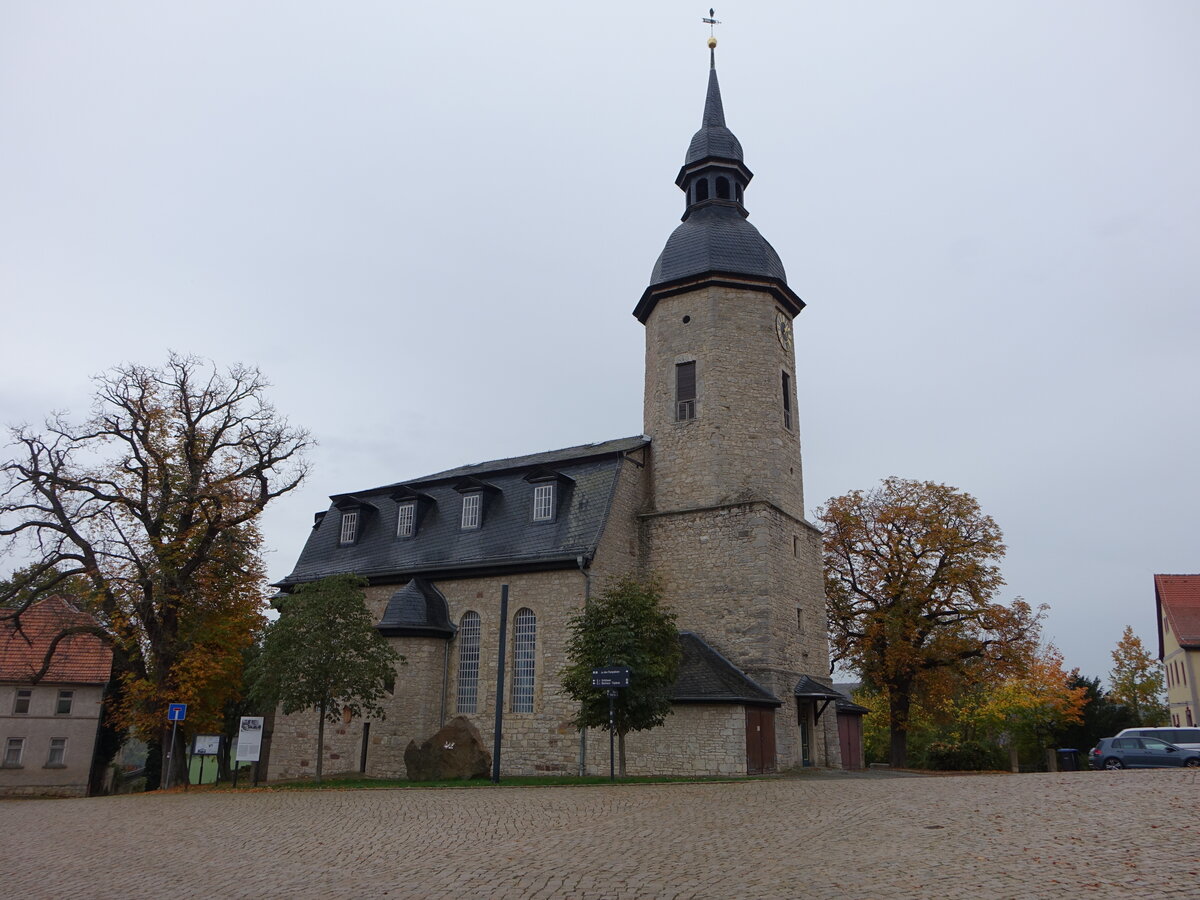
[
  {"x": 78, "y": 659},
  {"x": 1178, "y": 597}
]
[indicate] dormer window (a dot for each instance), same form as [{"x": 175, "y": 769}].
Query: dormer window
[
  {"x": 472, "y": 506},
  {"x": 349, "y": 533},
  {"x": 406, "y": 519},
  {"x": 543, "y": 503}
]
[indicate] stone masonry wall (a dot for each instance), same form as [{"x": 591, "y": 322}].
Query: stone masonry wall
[
  {"x": 695, "y": 740},
  {"x": 737, "y": 447}
]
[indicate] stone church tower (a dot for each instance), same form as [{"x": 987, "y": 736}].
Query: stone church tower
[{"x": 725, "y": 528}]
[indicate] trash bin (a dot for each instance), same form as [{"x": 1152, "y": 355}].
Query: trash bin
[{"x": 1068, "y": 759}]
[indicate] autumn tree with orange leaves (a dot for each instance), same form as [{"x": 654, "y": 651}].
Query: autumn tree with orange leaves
[
  {"x": 155, "y": 501},
  {"x": 911, "y": 573}
]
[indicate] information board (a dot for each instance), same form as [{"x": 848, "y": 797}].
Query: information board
[
  {"x": 249, "y": 739},
  {"x": 207, "y": 745}
]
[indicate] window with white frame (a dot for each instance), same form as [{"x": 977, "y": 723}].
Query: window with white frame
[
  {"x": 543, "y": 503},
  {"x": 65, "y": 698},
  {"x": 468, "y": 663},
  {"x": 13, "y": 749},
  {"x": 349, "y": 527},
  {"x": 21, "y": 703},
  {"x": 406, "y": 519},
  {"x": 524, "y": 660},
  {"x": 470, "y": 512},
  {"x": 58, "y": 752}
]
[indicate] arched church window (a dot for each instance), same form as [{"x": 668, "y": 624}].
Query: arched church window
[
  {"x": 722, "y": 188},
  {"x": 701, "y": 189},
  {"x": 468, "y": 663},
  {"x": 524, "y": 659}
]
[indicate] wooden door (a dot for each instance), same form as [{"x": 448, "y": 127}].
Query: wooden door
[
  {"x": 760, "y": 740},
  {"x": 850, "y": 737}
]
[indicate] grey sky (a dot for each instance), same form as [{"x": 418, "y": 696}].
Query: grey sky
[{"x": 429, "y": 223}]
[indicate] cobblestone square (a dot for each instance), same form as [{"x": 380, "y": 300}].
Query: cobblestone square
[{"x": 1092, "y": 834}]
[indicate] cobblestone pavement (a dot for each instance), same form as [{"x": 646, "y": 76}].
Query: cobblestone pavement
[{"x": 1085, "y": 834}]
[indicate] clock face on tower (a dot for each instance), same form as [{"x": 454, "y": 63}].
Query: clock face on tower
[{"x": 783, "y": 330}]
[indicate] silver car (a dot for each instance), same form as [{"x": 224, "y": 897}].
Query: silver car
[
  {"x": 1140, "y": 753},
  {"x": 1187, "y": 738}
]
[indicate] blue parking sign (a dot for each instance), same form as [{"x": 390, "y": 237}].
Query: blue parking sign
[{"x": 176, "y": 712}]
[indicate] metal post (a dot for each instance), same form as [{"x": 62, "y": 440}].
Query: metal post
[
  {"x": 612, "y": 734},
  {"x": 171, "y": 753},
  {"x": 500, "y": 685}
]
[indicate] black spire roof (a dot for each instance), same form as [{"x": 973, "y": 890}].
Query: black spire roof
[
  {"x": 715, "y": 241},
  {"x": 713, "y": 138}
]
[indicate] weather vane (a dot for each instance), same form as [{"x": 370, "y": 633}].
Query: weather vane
[{"x": 712, "y": 22}]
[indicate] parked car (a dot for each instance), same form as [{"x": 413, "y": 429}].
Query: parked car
[
  {"x": 1140, "y": 753},
  {"x": 1187, "y": 738}
]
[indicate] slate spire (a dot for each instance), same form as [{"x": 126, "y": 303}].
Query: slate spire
[{"x": 715, "y": 237}]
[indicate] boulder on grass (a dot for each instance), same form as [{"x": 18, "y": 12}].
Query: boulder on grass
[{"x": 456, "y": 752}]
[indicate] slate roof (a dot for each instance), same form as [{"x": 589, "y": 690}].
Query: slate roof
[
  {"x": 716, "y": 238},
  {"x": 417, "y": 610},
  {"x": 78, "y": 659},
  {"x": 705, "y": 676},
  {"x": 808, "y": 687},
  {"x": 507, "y": 539},
  {"x": 713, "y": 139},
  {"x": 1178, "y": 597},
  {"x": 845, "y": 703}
]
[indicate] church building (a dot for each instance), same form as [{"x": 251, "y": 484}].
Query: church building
[{"x": 709, "y": 498}]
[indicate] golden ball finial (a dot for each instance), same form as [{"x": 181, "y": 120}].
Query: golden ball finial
[{"x": 712, "y": 43}]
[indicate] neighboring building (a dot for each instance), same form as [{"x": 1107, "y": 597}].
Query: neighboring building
[
  {"x": 1177, "y": 600},
  {"x": 48, "y": 728},
  {"x": 709, "y": 499}
]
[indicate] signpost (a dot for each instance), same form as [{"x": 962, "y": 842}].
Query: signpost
[
  {"x": 611, "y": 678},
  {"x": 249, "y": 745},
  {"x": 176, "y": 713}
]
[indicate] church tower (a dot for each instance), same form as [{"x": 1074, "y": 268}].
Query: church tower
[{"x": 725, "y": 526}]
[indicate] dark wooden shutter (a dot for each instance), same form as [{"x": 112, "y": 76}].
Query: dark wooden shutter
[{"x": 685, "y": 391}]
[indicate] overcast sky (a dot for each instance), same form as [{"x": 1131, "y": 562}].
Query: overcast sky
[{"x": 429, "y": 224}]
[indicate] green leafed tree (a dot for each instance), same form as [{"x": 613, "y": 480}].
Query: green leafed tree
[
  {"x": 1137, "y": 681},
  {"x": 627, "y": 625},
  {"x": 324, "y": 653}
]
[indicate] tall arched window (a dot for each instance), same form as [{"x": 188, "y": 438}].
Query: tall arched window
[
  {"x": 701, "y": 189},
  {"x": 468, "y": 663},
  {"x": 524, "y": 658},
  {"x": 722, "y": 188}
]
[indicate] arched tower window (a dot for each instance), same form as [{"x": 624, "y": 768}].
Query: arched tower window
[
  {"x": 701, "y": 189},
  {"x": 722, "y": 187},
  {"x": 737, "y": 190},
  {"x": 524, "y": 659},
  {"x": 468, "y": 663}
]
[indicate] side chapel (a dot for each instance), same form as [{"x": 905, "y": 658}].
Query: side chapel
[{"x": 710, "y": 499}]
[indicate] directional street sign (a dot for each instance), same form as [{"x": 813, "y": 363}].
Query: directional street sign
[
  {"x": 611, "y": 677},
  {"x": 176, "y": 712}
]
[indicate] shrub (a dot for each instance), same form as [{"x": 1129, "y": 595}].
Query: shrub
[{"x": 963, "y": 756}]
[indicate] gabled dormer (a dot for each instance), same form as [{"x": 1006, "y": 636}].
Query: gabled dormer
[
  {"x": 477, "y": 495},
  {"x": 356, "y": 516},
  {"x": 549, "y": 488},
  {"x": 411, "y": 507}
]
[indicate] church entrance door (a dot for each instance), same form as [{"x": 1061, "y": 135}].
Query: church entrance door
[
  {"x": 804, "y": 711},
  {"x": 760, "y": 740}
]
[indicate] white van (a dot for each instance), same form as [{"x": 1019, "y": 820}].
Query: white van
[{"x": 1187, "y": 738}]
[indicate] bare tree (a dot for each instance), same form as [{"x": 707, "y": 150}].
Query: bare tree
[{"x": 154, "y": 501}]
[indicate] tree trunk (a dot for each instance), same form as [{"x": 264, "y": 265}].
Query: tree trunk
[
  {"x": 320, "y": 740},
  {"x": 621, "y": 753},
  {"x": 899, "y": 703}
]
